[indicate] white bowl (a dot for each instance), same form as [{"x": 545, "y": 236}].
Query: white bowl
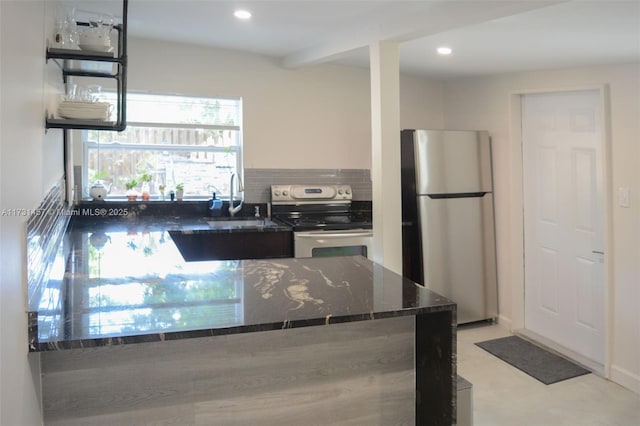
[
  {"x": 95, "y": 47},
  {"x": 94, "y": 38}
]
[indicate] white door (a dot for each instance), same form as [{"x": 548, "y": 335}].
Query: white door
[{"x": 563, "y": 220}]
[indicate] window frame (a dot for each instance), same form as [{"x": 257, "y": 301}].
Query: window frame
[{"x": 88, "y": 145}]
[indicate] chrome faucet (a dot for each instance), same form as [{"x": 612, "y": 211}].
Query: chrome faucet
[{"x": 233, "y": 210}]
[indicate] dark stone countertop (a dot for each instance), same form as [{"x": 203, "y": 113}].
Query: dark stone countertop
[
  {"x": 122, "y": 280},
  {"x": 186, "y": 217}
]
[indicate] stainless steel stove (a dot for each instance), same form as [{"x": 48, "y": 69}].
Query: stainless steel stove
[{"x": 322, "y": 219}]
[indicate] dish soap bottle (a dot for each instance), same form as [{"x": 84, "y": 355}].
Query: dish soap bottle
[{"x": 215, "y": 208}]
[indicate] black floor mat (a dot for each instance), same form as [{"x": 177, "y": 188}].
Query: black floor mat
[{"x": 537, "y": 362}]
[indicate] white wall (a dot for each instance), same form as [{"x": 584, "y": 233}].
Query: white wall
[
  {"x": 484, "y": 103},
  {"x": 421, "y": 103},
  {"x": 30, "y": 163},
  {"x": 314, "y": 117},
  {"x": 292, "y": 118}
]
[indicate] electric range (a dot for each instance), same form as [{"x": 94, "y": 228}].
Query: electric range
[{"x": 322, "y": 219}]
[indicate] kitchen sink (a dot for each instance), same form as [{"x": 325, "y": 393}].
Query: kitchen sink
[{"x": 235, "y": 238}]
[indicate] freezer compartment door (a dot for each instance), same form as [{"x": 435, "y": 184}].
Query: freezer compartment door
[
  {"x": 452, "y": 162},
  {"x": 459, "y": 255}
]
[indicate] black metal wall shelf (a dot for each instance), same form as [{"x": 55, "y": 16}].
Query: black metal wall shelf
[{"x": 82, "y": 63}]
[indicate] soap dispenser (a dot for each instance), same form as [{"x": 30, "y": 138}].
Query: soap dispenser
[{"x": 215, "y": 208}]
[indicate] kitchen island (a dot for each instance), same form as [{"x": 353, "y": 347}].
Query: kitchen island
[{"x": 130, "y": 333}]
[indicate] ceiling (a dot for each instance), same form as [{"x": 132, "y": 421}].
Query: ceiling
[{"x": 487, "y": 36}]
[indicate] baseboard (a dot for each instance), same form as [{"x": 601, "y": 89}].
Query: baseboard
[
  {"x": 625, "y": 378},
  {"x": 505, "y": 321}
]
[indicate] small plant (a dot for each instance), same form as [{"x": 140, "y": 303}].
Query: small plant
[
  {"x": 131, "y": 184},
  {"x": 179, "y": 191},
  {"x": 132, "y": 195},
  {"x": 161, "y": 188},
  {"x": 145, "y": 177}
]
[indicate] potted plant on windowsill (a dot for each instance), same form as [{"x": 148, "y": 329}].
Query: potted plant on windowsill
[
  {"x": 179, "y": 191},
  {"x": 145, "y": 178},
  {"x": 132, "y": 194}
]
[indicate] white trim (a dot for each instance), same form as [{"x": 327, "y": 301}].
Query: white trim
[
  {"x": 607, "y": 188},
  {"x": 161, "y": 147},
  {"x": 516, "y": 219},
  {"x": 625, "y": 378},
  {"x": 516, "y": 239},
  {"x": 505, "y": 322},
  {"x": 183, "y": 125}
]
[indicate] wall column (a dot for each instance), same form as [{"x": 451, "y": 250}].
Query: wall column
[{"x": 385, "y": 154}]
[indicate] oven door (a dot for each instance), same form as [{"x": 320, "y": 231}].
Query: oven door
[{"x": 333, "y": 243}]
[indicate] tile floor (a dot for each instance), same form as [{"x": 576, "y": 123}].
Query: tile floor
[{"x": 505, "y": 396}]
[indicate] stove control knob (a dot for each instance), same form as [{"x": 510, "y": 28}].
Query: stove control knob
[
  {"x": 348, "y": 191},
  {"x": 276, "y": 193},
  {"x": 285, "y": 193},
  {"x": 339, "y": 191}
]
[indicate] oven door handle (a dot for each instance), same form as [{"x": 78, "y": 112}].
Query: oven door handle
[{"x": 323, "y": 234}]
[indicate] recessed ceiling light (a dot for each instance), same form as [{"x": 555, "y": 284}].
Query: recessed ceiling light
[
  {"x": 242, "y": 14},
  {"x": 444, "y": 50}
]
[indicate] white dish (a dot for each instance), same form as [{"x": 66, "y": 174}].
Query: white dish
[
  {"x": 89, "y": 121},
  {"x": 94, "y": 38},
  {"x": 84, "y": 116},
  {"x": 95, "y": 47},
  {"x": 85, "y": 110}
]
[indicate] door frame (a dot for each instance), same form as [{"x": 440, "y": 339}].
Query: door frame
[{"x": 516, "y": 219}]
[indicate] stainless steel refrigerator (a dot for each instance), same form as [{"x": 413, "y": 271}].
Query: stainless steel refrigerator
[{"x": 448, "y": 220}]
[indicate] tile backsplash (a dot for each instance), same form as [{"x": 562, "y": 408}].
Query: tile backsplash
[{"x": 258, "y": 181}]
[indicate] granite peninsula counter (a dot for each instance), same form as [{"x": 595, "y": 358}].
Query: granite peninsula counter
[{"x": 123, "y": 284}]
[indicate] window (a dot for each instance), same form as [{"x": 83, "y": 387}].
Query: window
[{"x": 169, "y": 140}]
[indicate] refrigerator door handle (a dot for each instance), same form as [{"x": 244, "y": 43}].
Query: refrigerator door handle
[{"x": 459, "y": 195}]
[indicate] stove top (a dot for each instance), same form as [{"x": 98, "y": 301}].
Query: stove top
[
  {"x": 322, "y": 221},
  {"x": 317, "y": 207}
]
